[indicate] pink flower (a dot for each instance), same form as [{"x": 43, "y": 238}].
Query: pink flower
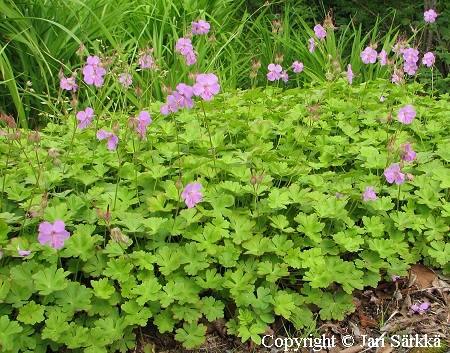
[
  {"x": 312, "y": 45},
  {"x": 410, "y": 67},
  {"x": 172, "y": 103},
  {"x": 200, "y": 27},
  {"x": 190, "y": 58},
  {"x": 126, "y": 80},
  {"x": 382, "y": 99},
  {"x": 369, "y": 55},
  {"x": 192, "y": 195},
  {"x": 68, "y": 84},
  {"x": 410, "y": 55},
  {"x": 369, "y": 193},
  {"x": 184, "y": 46},
  {"x": 206, "y": 86},
  {"x": 145, "y": 61},
  {"x": 422, "y": 307},
  {"x": 85, "y": 117},
  {"x": 284, "y": 76},
  {"x": 393, "y": 174},
  {"x": 93, "y": 61},
  {"x": 274, "y": 72},
  {"x": 93, "y": 75},
  {"x": 298, "y": 67},
  {"x": 338, "y": 195},
  {"x": 350, "y": 74},
  {"x": 55, "y": 234},
  {"x": 395, "y": 277},
  {"x": 320, "y": 32},
  {"x": 430, "y": 16},
  {"x": 428, "y": 59},
  {"x": 186, "y": 92},
  {"x": 408, "y": 155},
  {"x": 406, "y": 114},
  {"x": 23, "y": 252},
  {"x": 383, "y": 57},
  {"x": 113, "y": 140},
  {"x": 144, "y": 120}
]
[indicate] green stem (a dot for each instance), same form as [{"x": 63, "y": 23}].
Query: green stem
[{"x": 210, "y": 139}]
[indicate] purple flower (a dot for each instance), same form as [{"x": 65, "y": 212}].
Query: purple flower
[
  {"x": 85, "y": 117},
  {"x": 350, "y": 74},
  {"x": 393, "y": 174},
  {"x": 338, "y": 195},
  {"x": 144, "y": 120},
  {"x": 408, "y": 155},
  {"x": 406, "y": 114},
  {"x": 200, "y": 27},
  {"x": 206, "y": 86},
  {"x": 410, "y": 55},
  {"x": 190, "y": 58},
  {"x": 274, "y": 72},
  {"x": 68, "y": 84},
  {"x": 145, "y": 61},
  {"x": 298, "y": 67},
  {"x": 186, "y": 92},
  {"x": 422, "y": 307},
  {"x": 410, "y": 67},
  {"x": 93, "y": 61},
  {"x": 23, "y": 252},
  {"x": 94, "y": 75},
  {"x": 382, "y": 99},
  {"x": 320, "y": 32},
  {"x": 312, "y": 45},
  {"x": 430, "y": 16},
  {"x": 192, "y": 195},
  {"x": 284, "y": 76},
  {"x": 428, "y": 59},
  {"x": 395, "y": 277},
  {"x": 369, "y": 55},
  {"x": 113, "y": 140},
  {"x": 126, "y": 80},
  {"x": 369, "y": 193},
  {"x": 172, "y": 103},
  {"x": 383, "y": 57},
  {"x": 184, "y": 46},
  {"x": 55, "y": 234}
]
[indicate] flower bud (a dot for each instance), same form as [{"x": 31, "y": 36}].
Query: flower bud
[
  {"x": 57, "y": 162},
  {"x": 253, "y": 180},
  {"x": 179, "y": 184},
  {"x": 53, "y": 152},
  {"x": 118, "y": 236}
]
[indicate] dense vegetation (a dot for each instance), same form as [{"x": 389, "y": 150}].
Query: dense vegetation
[{"x": 182, "y": 161}]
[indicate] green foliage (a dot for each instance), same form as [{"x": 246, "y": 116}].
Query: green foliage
[{"x": 283, "y": 174}]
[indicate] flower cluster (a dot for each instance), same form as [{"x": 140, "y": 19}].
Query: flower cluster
[
  {"x": 126, "y": 80},
  {"x": 200, "y": 27},
  {"x": 68, "y": 84},
  {"x": 184, "y": 46},
  {"x": 93, "y": 72},
  {"x": 181, "y": 98}
]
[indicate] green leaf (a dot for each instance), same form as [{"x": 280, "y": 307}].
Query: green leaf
[
  {"x": 81, "y": 243},
  {"x": 195, "y": 260},
  {"x": 75, "y": 337},
  {"x": 137, "y": 314},
  {"x": 221, "y": 203},
  {"x": 278, "y": 200},
  {"x": 50, "y": 280},
  {"x": 310, "y": 226},
  {"x": 147, "y": 291},
  {"x": 31, "y": 313},
  {"x": 112, "y": 329},
  {"x": 8, "y": 331},
  {"x": 272, "y": 271},
  {"x": 118, "y": 269},
  {"x": 55, "y": 325},
  {"x": 242, "y": 228},
  {"x": 440, "y": 251},
  {"x": 437, "y": 228},
  {"x": 336, "y": 307},
  {"x": 212, "y": 308},
  {"x": 103, "y": 288},
  {"x": 167, "y": 260},
  {"x": 283, "y": 304},
  {"x": 191, "y": 335},
  {"x": 373, "y": 225},
  {"x": 165, "y": 321},
  {"x": 74, "y": 298}
]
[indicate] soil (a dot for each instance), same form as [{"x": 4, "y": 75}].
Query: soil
[{"x": 383, "y": 322}]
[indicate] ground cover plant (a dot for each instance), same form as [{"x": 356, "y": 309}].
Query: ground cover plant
[{"x": 218, "y": 203}]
